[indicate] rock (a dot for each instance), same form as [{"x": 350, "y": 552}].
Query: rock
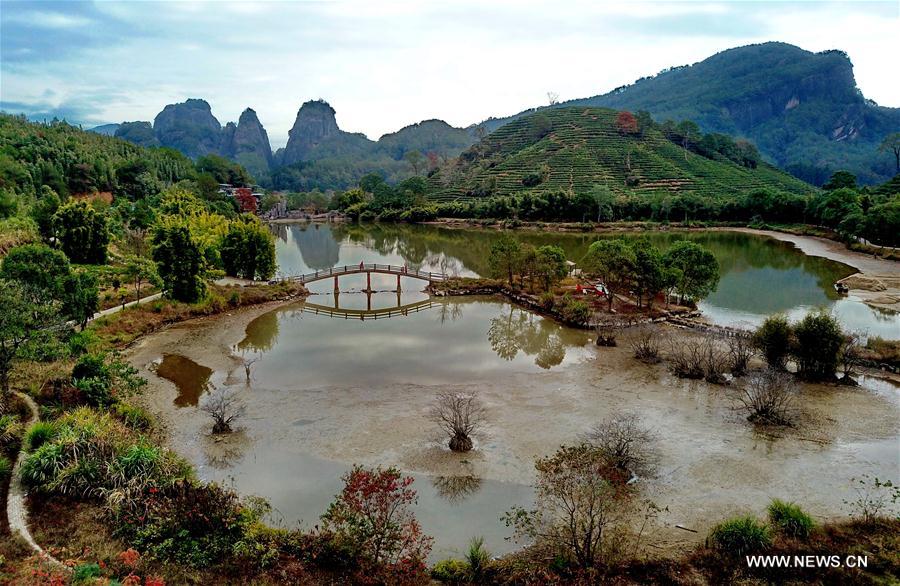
[{"x": 188, "y": 127}]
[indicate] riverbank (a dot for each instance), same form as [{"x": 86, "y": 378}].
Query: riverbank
[
  {"x": 714, "y": 463},
  {"x": 877, "y": 282}
]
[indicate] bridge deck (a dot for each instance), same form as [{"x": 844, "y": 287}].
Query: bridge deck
[
  {"x": 383, "y": 269},
  {"x": 364, "y": 314}
]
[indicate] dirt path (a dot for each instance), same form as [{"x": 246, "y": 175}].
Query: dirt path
[{"x": 16, "y": 510}]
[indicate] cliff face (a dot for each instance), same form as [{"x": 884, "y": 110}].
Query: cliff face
[
  {"x": 140, "y": 133},
  {"x": 189, "y": 127},
  {"x": 315, "y": 124},
  {"x": 248, "y": 144}
]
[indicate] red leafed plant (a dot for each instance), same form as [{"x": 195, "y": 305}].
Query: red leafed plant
[
  {"x": 373, "y": 515},
  {"x": 626, "y": 123}
]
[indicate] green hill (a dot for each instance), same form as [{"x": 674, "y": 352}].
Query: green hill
[
  {"x": 802, "y": 110},
  {"x": 575, "y": 149}
]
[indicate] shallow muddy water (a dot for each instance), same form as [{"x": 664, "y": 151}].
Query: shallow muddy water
[
  {"x": 327, "y": 392},
  {"x": 759, "y": 275}
]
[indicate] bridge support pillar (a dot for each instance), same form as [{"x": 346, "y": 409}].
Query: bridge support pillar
[
  {"x": 369, "y": 300},
  {"x": 398, "y": 283},
  {"x": 369, "y": 281},
  {"x": 337, "y": 288}
]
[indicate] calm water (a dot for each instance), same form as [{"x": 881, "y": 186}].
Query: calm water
[
  {"x": 759, "y": 276},
  {"x": 304, "y": 357}
]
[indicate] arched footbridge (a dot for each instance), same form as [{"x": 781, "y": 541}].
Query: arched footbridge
[{"x": 367, "y": 268}]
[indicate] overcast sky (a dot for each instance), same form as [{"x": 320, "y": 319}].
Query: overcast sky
[{"x": 383, "y": 65}]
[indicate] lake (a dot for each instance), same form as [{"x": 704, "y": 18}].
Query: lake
[{"x": 760, "y": 276}]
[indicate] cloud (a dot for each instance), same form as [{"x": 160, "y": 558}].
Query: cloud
[{"x": 384, "y": 65}]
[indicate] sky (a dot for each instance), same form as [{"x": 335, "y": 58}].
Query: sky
[{"x": 384, "y": 65}]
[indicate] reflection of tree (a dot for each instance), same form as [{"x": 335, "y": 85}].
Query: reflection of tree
[
  {"x": 502, "y": 334},
  {"x": 450, "y": 310},
  {"x": 522, "y": 331},
  {"x": 455, "y": 489},
  {"x": 261, "y": 333}
]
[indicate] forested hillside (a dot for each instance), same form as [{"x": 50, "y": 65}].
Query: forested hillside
[
  {"x": 577, "y": 149},
  {"x": 803, "y": 110}
]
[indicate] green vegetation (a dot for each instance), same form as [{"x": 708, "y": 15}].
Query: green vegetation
[
  {"x": 741, "y": 536},
  {"x": 789, "y": 519},
  {"x": 802, "y": 109},
  {"x": 585, "y": 148},
  {"x": 815, "y": 344}
]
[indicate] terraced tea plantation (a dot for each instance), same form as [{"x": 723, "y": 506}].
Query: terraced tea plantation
[{"x": 574, "y": 149}]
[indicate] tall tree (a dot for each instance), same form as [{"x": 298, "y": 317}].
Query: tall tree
[
  {"x": 696, "y": 268},
  {"x": 28, "y": 317},
  {"x": 506, "y": 257},
  {"x": 414, "y": 158},
  {"x": 248, "y": 250},
  {"x": 82, "y": 232},
  {"x": 649, "y": 273},
  {"x": 613, "y": 261},
  {"x": 179, "y": 261}
]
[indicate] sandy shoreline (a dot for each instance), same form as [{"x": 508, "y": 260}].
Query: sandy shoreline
[{"x": 714, "y": 463}]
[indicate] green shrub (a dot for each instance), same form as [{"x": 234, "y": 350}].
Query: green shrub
[
  {"x": 575, "y": 311},
  {"x": 95, "y": 390},
  {"x": 451, "y": 571},
  {"x": 91, "y": 366},
  {"x": 818, "y": 341},
  {"x": 478, "y": 558},
  {"x": 9, "y": 429},
  {"x": 773, "y": 338},
  {"x": 133, "y": 417},
  {"x": 93, "y": 455},
  {"x": 740, "y": 536},
  {"x": 38, "y": 434},
  {"x": 790, "y": 519},
  {"x": 81, "y": 342},
  {"x": 5, "y": 467},
  {"x": 85, "y": 572}
]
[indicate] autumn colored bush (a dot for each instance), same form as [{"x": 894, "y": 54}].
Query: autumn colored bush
[{"x": 372, "y": 517}]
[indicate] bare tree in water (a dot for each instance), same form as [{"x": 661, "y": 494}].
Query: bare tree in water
[
  {"x": 224, "y": 407},
  {"x": 458, "y": 415}
]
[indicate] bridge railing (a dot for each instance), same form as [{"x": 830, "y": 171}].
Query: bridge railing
[{"x": 367, "y": 268}]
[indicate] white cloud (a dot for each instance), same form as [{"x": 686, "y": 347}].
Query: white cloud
[{"x": 383, "y": 65}]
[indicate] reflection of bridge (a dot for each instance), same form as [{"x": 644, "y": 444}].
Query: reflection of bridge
[
  {"x": 368, "y": 269},
  {"x": 364, "y": 314}
]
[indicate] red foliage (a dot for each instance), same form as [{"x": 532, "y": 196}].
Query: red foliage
[
  {"x": 245, "y": 199},
  {"x": 129, "y": 558},
  {"x": 372, "y": 514},
  {"x": 433, "y": 160},
  {"x": 626, "y": 123}
]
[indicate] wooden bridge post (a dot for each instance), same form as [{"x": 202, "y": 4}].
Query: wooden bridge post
[
  {"x": 369, "y": 281},
  {"x": 398, "y": 283},
  {"x": 337, "y": 289}
]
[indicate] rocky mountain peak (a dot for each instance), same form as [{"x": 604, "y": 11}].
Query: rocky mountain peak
[{"x": 315, "y": 123}]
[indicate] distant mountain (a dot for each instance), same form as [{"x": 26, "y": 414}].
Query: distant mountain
[
  {"x": 802, "y": 109},
  {"x": 105, "y": 129},
  {"x": 575, "y": 149},
  {"x": 318, "y": 154},
  {"x": 140, "y": 133},
  {"x": 248, "y": 144}
]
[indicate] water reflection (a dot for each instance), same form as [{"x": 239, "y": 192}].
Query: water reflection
[
  {"x": 460, "y": 337},
  {"x": 191, "y": 379},
  {"x": 455, "y": 489},
  {"x": 759, "y": 275}
]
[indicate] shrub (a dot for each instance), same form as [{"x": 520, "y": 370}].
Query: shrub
[
  {"x": 373, "y": 516},
  {"x": 39, "y": 433},
  {"x": 790, "y": 519},
  {"x": 92, "y": 455},
  {"x": 818, "y": 342},
  {"x": 132, "y": 416},
  {"x": 9, "y": 429},
  {"x": 194, "y": 524},
  {"x": 478, "y": 558},
  {"x": 768, "y": 398},
  {"x": 451, "y": 571},
  {"x": 85, "y": 572},
  {"x": 5, "y": 467},
  {"x": 575, "y": 311},
  {"x": 625, "y": 443},
  {"x": 740, "y": 536},
  {"x": 773, "y": 338},
  {"x": 645, "y": 345}
]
